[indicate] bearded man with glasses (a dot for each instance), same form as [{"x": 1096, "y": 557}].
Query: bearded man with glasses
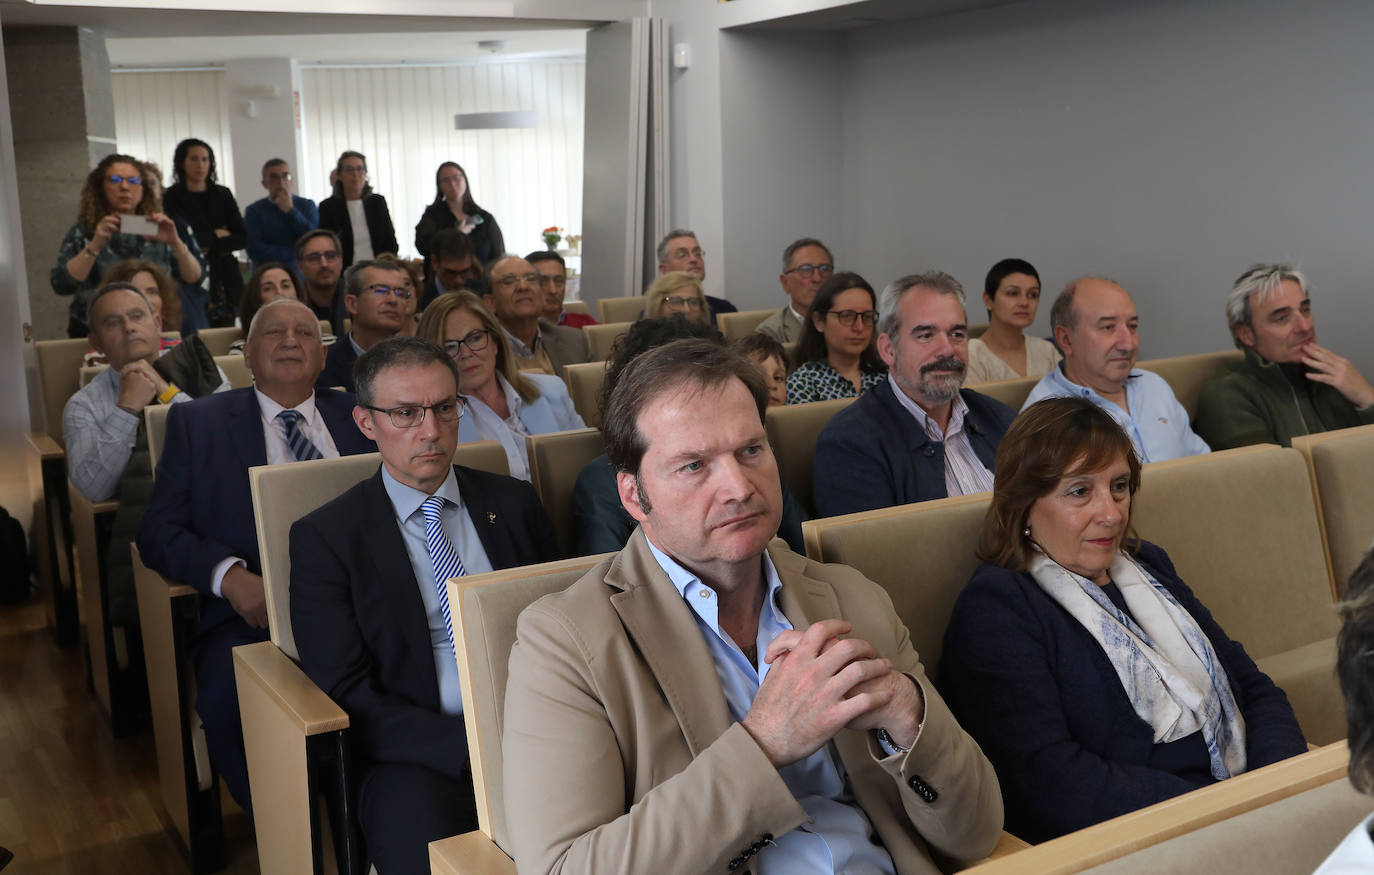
[
  {"x": 376, "y": 294},
  {"x": 806, "y": 265},
  {"x": 368, "y": 571}
]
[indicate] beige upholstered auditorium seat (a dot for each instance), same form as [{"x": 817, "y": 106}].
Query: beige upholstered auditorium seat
[
  {"x": 555, "y": 461},
  {"x": 620, "y": 309},
  {"x": 218, "y": 340},
  {"x": 235, "y": 367},
  {"x": 1187, "y": 374},
  {"x": 584, "y": 385},
  {"x": 288, "y": 722},
  {"x": 741, "y": 323},
  {"x": 106, "y": 647},
  {"x": 792, "y": 433},
  {"x": 600, "y": 339},
  {"x": 1012, "y": 393},
  {"x": 577, "y": 307},
  {"x": 977, "y": 329},
  {"x": 1341, "y": 465}
]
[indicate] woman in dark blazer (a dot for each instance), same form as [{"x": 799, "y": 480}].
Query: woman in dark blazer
[
  {"x": 1090, "y": 674},
  {"x": 454, "y": 207},
  {"x": 350, "y": 184}
]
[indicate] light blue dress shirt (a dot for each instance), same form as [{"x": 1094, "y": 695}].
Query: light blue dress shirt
[
  {"x": 837, "y": 838},
  {"x": 410, "y": 517},
  {"x": 1157, "y": 423}
]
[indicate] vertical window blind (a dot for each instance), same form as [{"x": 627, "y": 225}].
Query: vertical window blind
[{"x": 155, "y": 111}]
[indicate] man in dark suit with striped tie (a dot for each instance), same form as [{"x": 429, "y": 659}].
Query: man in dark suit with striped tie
[
  {"x": 369, "y": 606},
  {"x": 198, "y": 528}
]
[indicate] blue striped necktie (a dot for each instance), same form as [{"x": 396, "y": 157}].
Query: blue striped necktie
[
  {"x": 300, "y": 445},
  {"x": 441, "y": 554}
]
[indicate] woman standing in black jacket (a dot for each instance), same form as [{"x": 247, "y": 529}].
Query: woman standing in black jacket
[
  {"x": 454, "y": 207},
  {"x": 357, "y": 213},
  {"x": 213, "y": 214}
]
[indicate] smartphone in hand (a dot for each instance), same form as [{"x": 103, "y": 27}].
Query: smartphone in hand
[{"x": 139, "y": 226}]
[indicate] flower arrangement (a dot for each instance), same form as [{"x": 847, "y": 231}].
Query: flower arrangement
[{"x": 552, "y": 235}]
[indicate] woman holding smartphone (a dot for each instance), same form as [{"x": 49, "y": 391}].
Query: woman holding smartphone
[
  {"x": 118, "y": 219},
  {"x": 454, "y": 207}
]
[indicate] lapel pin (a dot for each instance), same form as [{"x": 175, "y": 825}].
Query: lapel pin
[{"x": 491, "y": 518}]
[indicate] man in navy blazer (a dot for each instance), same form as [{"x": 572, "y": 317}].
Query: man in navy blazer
[
  {"x": 918, "y": 435},
  {"x": 366, "y": 600},
  {"x": 198, "y": 528},
  {"x": 375, "y": 293}
]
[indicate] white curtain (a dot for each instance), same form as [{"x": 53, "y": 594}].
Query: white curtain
[
  {"x": 401, "y": 118},
  {"x": 155, "y": 111}
]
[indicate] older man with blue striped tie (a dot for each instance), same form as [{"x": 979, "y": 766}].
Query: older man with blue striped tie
[{"x": 369, "y": 605}]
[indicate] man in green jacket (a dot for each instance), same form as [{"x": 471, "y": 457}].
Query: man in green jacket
[{"x": 1287, "y": 385}]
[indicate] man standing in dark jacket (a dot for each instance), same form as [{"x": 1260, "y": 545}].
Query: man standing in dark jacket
[{"x": 918, "y": 435}]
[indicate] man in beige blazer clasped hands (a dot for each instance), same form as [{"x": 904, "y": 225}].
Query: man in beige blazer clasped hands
[{"x": 708, "y": 701}]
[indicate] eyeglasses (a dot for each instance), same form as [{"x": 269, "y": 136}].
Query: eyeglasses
[
  {"x": 680, "y": 254},
  {"x": 317, "y": 257},
  {"x": 847, "y": 317},
  {"x": 278, "y": 177},
  {"x": 806, "y": 270},
  {"x": 116, "y": 179},
  {"x": 689, "y": 303},
  {"x": 411, "y": 415},
  {"x": 382, "y": 291},
  {"x": 510, "y": 280},
  {"x": 476, "y": 341},
  {"x": 353, "y": 168}
]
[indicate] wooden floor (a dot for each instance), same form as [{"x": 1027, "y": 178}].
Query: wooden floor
[{"x": 72, "y": 798}]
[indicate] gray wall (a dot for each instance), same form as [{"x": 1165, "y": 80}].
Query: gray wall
[{"x": 1167, "y": 144}]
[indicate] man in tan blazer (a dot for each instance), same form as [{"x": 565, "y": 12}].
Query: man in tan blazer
[
  {"x": 806, "y": 265},
  {"x": 706, "y": 696}
]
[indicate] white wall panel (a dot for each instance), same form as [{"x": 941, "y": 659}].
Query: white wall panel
[{"x": 155, "y": 111}]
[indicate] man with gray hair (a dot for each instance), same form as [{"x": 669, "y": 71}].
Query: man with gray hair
[
  {"x": 806, "y": 265},
  {"x": 679, "y": 250},
  {"x": 917, "y": 435},
  {"x": 1287, "y": 385},
  {"x": 1095, "y": 326},
  {"x": 374, "y": 293}
]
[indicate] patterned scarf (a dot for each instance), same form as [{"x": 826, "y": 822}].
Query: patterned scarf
[{"x": 1161, "y": 656}]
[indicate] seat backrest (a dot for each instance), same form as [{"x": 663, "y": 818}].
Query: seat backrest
[
  {"x": 155, "y": 424},
  {"x": 88, "y": 373},
  {"x": 577, "y": 307},
  {"x": 59, "y": 366},
  {"x": 1241, "y": 528},
  {"x": 1187, "y": 374},
  {"x": 620, "y": 309},
  {"x": 600, "y": 339},
  {"x": 584, "y": 385},
  {"x": 235, "y": 367},
  {"x": 1012, "y": 393},
  {"x": 218, "y": 340},
  {"x": 977, "y": 329},
  {"x": 555, "y": 461},
  {"x": 792, "y": 432},
  {"x": 283, "y": 494},
  {"x": 1341, "y": 465},
  {"x": 486, "y": 607},
  {"x": 741, "y": 323}
]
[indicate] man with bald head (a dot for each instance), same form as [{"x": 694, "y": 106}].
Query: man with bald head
[
  {"x": 199, "y": 529},
  {"x": 1096, "y": 328},
  {"x": 516, "y": 300}
]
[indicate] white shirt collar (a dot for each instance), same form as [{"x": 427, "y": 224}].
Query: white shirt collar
[{"x": 270, "y": 409}]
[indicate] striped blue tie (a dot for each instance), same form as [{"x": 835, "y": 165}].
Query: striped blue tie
[
  {"x": 300, "y": 445},
  {"x": 441, "y": 553}
]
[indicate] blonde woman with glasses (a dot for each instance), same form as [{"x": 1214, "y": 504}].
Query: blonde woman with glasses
[
  {"x": 504, "y": 404},
  {"x": 677, "y": 293}
]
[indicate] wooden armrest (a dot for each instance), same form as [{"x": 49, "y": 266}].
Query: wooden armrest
[
  {"x": 1162, "y": 821},
  {"x": 45, "y": 446},
  {"x": 472, "y": 853},
  {"x": 287, "y": 686},
  {"x": 1006, "y": 845}
]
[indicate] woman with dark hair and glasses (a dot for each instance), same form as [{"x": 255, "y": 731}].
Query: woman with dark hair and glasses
[
  {"x": 453, "y": 207},
  {"x": 1089, "y": 673},
  {"x": 100, "y": 239},
  {"x": 357, "y": 213},
  {"x": 836, "y": 350},
  {"x": 504, "y": 403},
  {"x": 1011, "y": 294},
  {"x": 210, "y": 209}
]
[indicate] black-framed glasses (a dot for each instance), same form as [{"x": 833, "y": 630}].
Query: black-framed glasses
[
  {"x": 511, "y": 280},
  {"x": 116, "y": 179},
  {"x": 676, "y": 301},
  {"x": 806, "y": 270},
  {"x": 476, "y": 340},
  {"x": 411, "y": 415},
  {"x": 352, "y": 168},
  {"x": 382, "y": 291},
  {"x": 847, "y": 317},
  {"x": 317, "y": 257}
]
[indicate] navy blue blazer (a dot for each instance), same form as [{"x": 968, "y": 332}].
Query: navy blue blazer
[
  {"x": 201, "y": 509},
  {"x": 1039, "y": 695},
  {"x": 873, "y": 454},
  {"x": 338, "y": 365},
  {"x": 360, "y": 623}
]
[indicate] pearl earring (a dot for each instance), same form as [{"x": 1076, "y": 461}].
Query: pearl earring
[{"x": 1026, "y": 532}]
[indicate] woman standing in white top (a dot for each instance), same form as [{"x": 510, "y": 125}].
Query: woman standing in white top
[
  {"x": 356, "y": 213},
  {"x": 1011, "y": 294}
]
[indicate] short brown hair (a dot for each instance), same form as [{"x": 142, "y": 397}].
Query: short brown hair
[
  {"x": 698, "y": 364},
  {"x": 124, "y": 271},
  {"x": 1048, "y": 441}
]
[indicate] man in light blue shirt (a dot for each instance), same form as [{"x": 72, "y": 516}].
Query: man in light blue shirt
[{"x": 1096, "y": 327}]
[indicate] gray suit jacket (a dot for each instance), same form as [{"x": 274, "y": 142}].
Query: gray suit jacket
[
  {"x": 566, "y": 346},
  {"x": 782, "y": 326},
  {"x": 613, "y": 701}
]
